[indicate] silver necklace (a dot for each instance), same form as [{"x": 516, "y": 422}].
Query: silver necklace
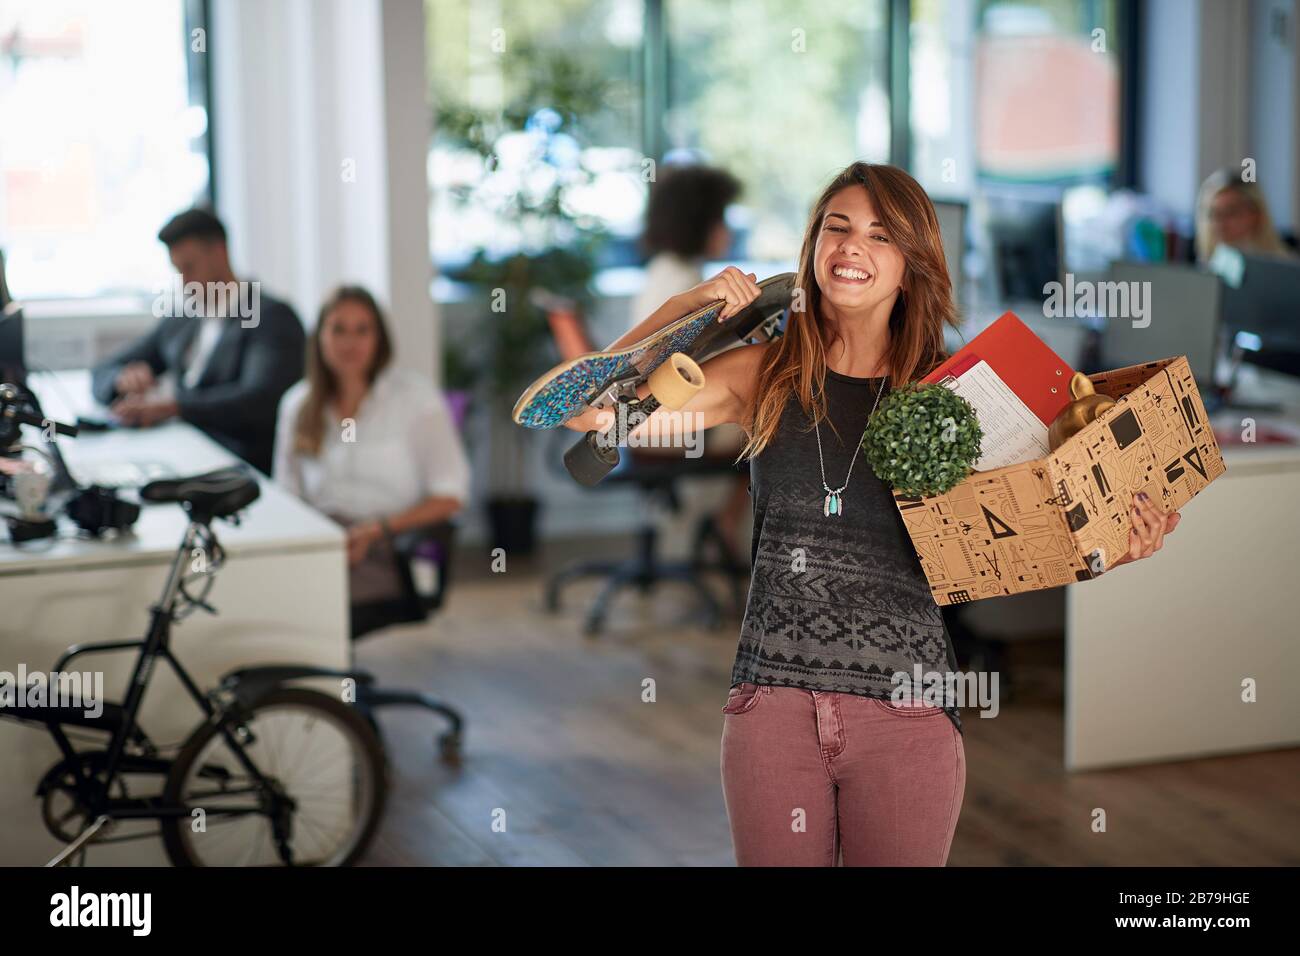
[{"x": 834, "y": 504}]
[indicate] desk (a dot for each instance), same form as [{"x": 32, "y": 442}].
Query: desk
[
  {"x": 1156, "y": 653},
  {"x": 282, "y": 596}
]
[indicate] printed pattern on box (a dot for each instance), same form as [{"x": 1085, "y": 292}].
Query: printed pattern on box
[
  {"x": 998, "y": 532},
  {"x": 1064, "y": 518},
  {"x": 1157, "y": 439}
]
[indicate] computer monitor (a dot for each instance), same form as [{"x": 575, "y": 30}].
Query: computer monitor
[
  {"x": 1180, "y": 316},
  {"x": 952, "y": 230},
  {"x": 13, "y": 371},
  {"x": 1265, "y": 308},
  {"x": 13, "y": 360},
  {"x": 5, "y": 297},
  {"x": 1025, "y": 236}
]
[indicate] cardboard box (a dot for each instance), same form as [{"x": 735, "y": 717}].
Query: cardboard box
[{"x": 1065, "y": 517}]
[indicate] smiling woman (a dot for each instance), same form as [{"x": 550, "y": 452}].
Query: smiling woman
[
  {"x": 876, "y": 221},
  {"x": 838, "y": 604},
  {"x": 840, "y": 613}
]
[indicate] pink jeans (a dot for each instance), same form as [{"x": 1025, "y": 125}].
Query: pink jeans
[{"x": 811, "y": 776}]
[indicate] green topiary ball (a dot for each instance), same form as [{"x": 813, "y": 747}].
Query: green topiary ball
[{"x": 923, "y": 439}]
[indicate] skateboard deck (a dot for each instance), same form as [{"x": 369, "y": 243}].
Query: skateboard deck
[{"x": 570, "y": 387}]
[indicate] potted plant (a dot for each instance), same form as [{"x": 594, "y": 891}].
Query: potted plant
[
  {"x": 530, "y": 155},
  {"x": 923, "y": 440}
]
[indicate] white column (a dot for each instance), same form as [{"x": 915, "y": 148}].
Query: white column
[
  {"x": 1224, "y": 84},
  {"x": 409, "y": 126},
  {"x": 321, "y": 131},
  {"x": 1167, "y": 120}
]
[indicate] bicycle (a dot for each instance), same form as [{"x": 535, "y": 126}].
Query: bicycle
[{"x": 273, "y": 774}]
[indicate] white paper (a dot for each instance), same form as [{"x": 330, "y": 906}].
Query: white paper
[{"x": 1012, "y": 433}]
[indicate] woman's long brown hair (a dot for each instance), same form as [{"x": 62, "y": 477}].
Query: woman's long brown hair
[
  {"x": 796, "y": 362},
  {"x": 322, "y": 384}
]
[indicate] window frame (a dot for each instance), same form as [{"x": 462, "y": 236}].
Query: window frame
[
  {"x": 198, "y": 72},
  {"x": 655, "y": 85},
  {"x": 195, "y": 14}
]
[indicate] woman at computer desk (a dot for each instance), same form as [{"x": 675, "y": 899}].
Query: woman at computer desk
[
  {"x": 1233, "y": 212},
  {"x": 374, "y": 447},
  {"x": 822, "y": 756}
]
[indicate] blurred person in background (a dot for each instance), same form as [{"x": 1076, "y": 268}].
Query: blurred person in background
[
  {"x": 1233, "y": 212},
  {"x": 685, "y": 226},
  {"x": 372, "y": 446},
  {"x": 223, "y": 372}
]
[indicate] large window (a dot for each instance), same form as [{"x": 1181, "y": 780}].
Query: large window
[
  {"x": 1017, "y": 93},
  {"x": 103, "y": 136},
  {"x": 528, "y": 95},
  {"x": 977, "y": 98},
  {"x": 783, "y": 94},
  {"x": 538, "y": 118}
]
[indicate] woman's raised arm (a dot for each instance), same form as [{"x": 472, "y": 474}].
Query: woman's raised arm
[
  {"x": 728, "y": 389},
  {"x": 736, "y": 288}
]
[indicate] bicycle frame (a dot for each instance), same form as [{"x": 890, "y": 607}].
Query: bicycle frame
[{"x": 92, "y": 789}]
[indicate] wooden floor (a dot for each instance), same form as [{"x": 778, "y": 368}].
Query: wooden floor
[{"x": 566, "y": 765}]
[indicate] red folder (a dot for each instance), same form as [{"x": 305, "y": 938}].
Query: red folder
[{"x": 1039, "y": 376}]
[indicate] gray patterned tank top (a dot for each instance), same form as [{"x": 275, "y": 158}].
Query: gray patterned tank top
[{"x": 857, "y": 607}]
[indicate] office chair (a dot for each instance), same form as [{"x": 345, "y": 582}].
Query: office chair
[
  {"x": 432, "y": 547},
  {"x": 977, "y": 653},
  {"x": 655, "y": 476}
]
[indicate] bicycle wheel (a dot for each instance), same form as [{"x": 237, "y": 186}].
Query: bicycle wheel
[{"x": 314, "y": 749}]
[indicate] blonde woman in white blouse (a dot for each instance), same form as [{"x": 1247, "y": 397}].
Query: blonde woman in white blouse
[{"x": 373, "y": 446}]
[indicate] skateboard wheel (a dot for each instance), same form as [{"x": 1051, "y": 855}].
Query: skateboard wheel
[
  {"x": 676, "y": 381},
  {"x": 589, "y": 461}
]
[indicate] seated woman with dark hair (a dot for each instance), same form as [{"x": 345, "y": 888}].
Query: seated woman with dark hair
[
  {"x": 372, "y": 446},
  {"x": 686, "y": 226}
]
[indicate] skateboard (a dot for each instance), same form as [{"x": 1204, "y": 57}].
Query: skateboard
[{"x": 668, "y": 360}]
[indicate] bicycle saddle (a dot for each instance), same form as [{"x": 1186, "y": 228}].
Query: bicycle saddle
[{"x": 213, "y": 494}]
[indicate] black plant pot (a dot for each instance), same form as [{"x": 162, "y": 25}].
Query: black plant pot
[{"x": 514, "y": 523}]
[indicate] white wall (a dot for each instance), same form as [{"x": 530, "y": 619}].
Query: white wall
[
  {"x": 1167, "y": 127},
  {"x": 1273, "y": 105},
  {"x": 321, "y": 132},
  {"x": 1219, "y": 84},
  {"x": 1223, "y": 86},
  {"x": 407, "y": 133}
]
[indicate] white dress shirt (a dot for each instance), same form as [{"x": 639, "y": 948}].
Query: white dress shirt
[
  {"x": 205, "y": 342},
  {"x": 401, "y": 448},
  {"x": 194, "y": 361}
]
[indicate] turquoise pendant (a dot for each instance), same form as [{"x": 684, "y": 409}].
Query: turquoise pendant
[{"x": 834, "y": 504}]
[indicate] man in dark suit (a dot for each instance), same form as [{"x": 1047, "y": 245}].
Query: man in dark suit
[{"x": 221, "y": 356}]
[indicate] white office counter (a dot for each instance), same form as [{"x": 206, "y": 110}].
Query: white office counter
[
  {"x": 1156, "y": 652},
  {"x": 281, "y": 597}
]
